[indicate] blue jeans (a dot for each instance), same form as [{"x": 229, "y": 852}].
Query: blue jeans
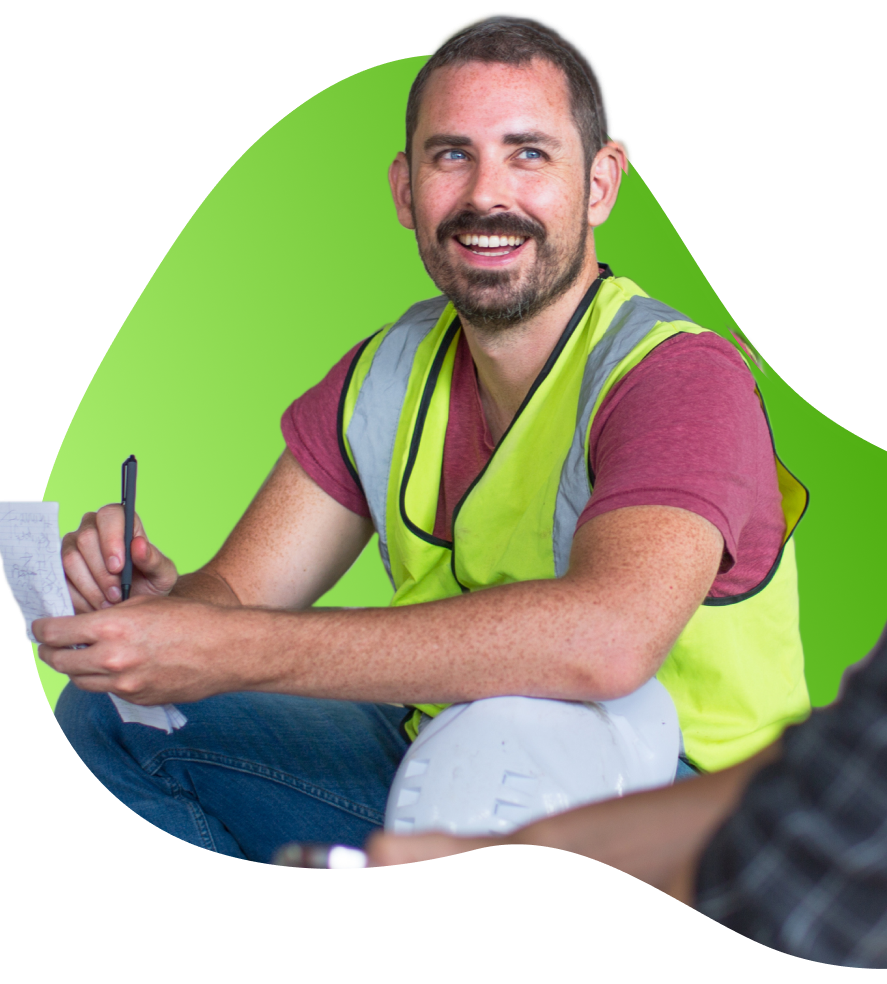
[
  {"x": 686, "y": 770},
  {"x": 248, "y": 772}
]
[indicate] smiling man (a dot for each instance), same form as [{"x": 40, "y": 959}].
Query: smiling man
[
  {"x": 501, "y": 263},
  {"x": 574, "y": 488}
]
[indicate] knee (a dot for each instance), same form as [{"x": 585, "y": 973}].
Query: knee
[{"x": 85, "y": 718}]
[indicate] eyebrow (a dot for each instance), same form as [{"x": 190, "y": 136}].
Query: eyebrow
[
  {"x": 512, "y": 139},
  {"x": 531, "y": 137},
  {"x": 446, "y": 140}
]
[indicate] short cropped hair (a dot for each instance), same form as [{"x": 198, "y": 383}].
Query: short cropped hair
[{"x": 517, "y": 41}]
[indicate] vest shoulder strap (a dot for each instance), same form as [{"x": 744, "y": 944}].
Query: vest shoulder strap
[
  {"x": 628, "y": 338},
  {"x": 373, "y": 404}
]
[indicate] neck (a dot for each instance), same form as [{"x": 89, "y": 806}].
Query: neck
[{"x": 508, "y": 361}]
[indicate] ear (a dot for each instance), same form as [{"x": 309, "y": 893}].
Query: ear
[
  {"x": 399, "y": 179},
  {"x": 606, "y": 175}
]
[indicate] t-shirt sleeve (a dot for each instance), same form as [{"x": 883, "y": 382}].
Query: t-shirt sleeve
[
  {"x": 310, "y": 429},
  {"x": 685, "y": 428}
]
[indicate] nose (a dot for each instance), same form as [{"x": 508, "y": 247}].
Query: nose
[{"x": 490, "y": 187}]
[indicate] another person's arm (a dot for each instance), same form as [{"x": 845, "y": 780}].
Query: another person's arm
[
  {"x": 657, "y": 836},
  {"x": 793, "y": 856}
]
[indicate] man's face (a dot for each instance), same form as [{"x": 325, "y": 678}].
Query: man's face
[{"x": 499, "y": 189}]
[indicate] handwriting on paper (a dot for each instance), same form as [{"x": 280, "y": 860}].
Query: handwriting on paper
[{"x": 32, "y": 562}]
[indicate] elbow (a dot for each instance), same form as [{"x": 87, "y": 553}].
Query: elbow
[{"x": 612, "y": 672}]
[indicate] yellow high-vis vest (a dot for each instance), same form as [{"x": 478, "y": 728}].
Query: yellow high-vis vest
[{"x": 736, "y": 673}]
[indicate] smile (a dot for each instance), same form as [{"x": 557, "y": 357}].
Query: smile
[{"x": 490, "y": 245}]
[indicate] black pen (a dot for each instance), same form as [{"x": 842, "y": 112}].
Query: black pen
[{"x": 128, "y": 501}]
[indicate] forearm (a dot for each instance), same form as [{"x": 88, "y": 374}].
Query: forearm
[
  {"x": 657, "y": 836},
  {"x": 598, "y": 632},
  {"x": 540, "y": 639}
]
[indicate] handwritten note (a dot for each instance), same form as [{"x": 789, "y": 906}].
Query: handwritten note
[{"x": 32, "y": 562}]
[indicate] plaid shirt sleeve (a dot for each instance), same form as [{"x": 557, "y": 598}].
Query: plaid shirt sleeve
[{"x": 801, "y": 866}]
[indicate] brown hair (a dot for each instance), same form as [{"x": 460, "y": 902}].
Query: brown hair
[{"x": 517, "y": 41}]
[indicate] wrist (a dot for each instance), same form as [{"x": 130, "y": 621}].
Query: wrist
[{"x": 265, "y": 648}]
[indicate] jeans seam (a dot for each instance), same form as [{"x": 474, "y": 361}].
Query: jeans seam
[
  {"x": 194, "y": 808},
  {"x": 156, "y": 762}
]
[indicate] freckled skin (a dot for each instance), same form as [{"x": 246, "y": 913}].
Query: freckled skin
[{"x": 241, "y": 622}]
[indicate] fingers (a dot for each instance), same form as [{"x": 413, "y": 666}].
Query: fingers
[
  {"x": 76, "y": 664},
  {"x": 110, "y": 526},
  {"x": 93, "y": 557},
  {"x": 153, "y": 572},
  {"x": 81, "y": 605},
  {"x": 64, "y": 631},
  {"x": 127, "y": 649},
  {"x": 85, "y": 559},
  {"x": 78, "y": 646}
]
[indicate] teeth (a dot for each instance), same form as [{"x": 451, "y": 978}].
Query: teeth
[{"x": 487, "y": 242}]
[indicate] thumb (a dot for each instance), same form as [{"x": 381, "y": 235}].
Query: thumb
[{"x": 155, "y": 568}]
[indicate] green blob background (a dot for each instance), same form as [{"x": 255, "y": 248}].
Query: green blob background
[{"x": 294, "y": 257}]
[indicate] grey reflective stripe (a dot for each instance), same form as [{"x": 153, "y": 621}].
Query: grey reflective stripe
[
  {"x": 629, "y": 327},
  {"x": 373, "y": 427}
]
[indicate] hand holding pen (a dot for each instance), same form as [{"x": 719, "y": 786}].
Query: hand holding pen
[{"x": 109, "y": 558}]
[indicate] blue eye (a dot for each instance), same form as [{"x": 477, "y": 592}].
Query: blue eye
[
  {"x": 454, "y": 155},
  {"x": 529, "y": 154}
]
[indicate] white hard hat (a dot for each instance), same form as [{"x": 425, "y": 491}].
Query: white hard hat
[{"x": 496, "y": 764}]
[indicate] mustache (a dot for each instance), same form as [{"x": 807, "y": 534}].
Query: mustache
[{"x": 502, "y": 224}]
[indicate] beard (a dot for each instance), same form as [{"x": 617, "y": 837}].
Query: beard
[{"x": 495, "y": 300}]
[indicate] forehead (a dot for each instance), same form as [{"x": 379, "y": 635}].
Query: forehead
[{"x": 489, "y": 97}]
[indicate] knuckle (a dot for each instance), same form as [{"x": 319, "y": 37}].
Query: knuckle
[
  {"x": 112, "y": 631},
  {"x": 116, "y": 629},
  {"x": 115, "y": 662},
  {"x": 68, "y": 559}
]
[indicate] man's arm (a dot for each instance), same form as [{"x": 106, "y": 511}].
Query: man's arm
[
  {"x": 291, "y": 545},
  {"x": 636, "y": 576}
]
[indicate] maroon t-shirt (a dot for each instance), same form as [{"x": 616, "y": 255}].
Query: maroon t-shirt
[{"x": 683, "y": 428}]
